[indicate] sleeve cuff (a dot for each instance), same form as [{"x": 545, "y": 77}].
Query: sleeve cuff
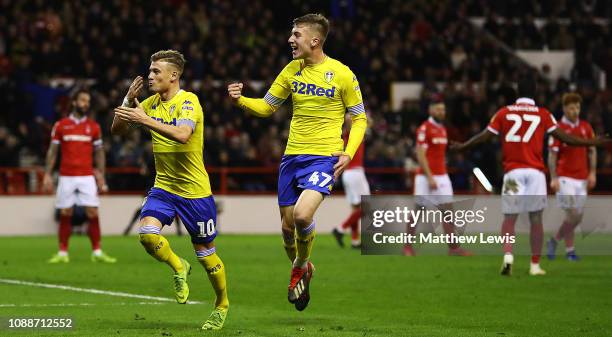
[
  {"x": 490, "y": 128},
  {"x": 273, "y": 100},
  {"x": 551, "y": 129},
  {"x": 186, "y": 122},
  {"x": 357, "y": 109}
]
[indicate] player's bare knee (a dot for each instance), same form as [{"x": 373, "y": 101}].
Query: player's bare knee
[
  {"x": 91, "y": 212},
  {"x": 301, "y": 219},
  {"x": 66, "y": 211},
  {"x": 574, "y": 216},
  {"x": 535, "y": 217}
]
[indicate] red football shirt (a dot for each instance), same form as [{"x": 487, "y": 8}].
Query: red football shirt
[
  {"x": 572, "y": 161},
  {"x": 432, "y": 136},
  {"x": 522, "y": 127},
  {"x": 357, "y": 160},
  {"x": 77, "y": 139}
]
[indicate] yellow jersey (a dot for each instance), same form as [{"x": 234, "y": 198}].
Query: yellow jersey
[
  {"x": 321, "y": 95},
  {"x": 180, "y": 167}
]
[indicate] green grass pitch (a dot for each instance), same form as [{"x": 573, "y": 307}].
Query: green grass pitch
[{"x": 352, "y": 295}]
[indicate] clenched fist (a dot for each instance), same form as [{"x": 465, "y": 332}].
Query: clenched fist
[{"x": 235, "y": 90}]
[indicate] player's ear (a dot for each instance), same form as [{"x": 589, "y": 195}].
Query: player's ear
[
  {"x": 175, "y": 75},
  {"x": 315, "y": 41}
]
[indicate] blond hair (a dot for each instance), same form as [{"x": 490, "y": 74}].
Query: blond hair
[
  {"x": 317, "y": 21},
  {"x": 171, "y": 56}
]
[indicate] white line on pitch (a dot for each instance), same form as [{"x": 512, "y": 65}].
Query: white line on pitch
[
  {"x": 92, "y": 291},
  {"x": 12, "y": 305}
]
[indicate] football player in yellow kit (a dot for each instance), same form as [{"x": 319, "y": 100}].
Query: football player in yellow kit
[
  {"x": 176, "y": 121},
  {"x": 322, "y": 89}
]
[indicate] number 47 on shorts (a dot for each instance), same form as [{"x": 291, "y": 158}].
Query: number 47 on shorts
[{"x": 314, "y": 178}]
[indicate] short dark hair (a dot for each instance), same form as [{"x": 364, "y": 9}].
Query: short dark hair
[
  {"x": 570, "y": 98},
  {"x": 79, "y": 91},
  {"x": 171, "y": 56},
  {"x": 318, "y": 21},
  {"x": 527, "y": 86}
]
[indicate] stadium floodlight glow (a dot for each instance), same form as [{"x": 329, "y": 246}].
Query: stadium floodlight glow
[{"x": 482, "y": 179}]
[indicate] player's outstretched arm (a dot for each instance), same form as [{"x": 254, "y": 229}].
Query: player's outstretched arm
[
  {"x": 49, "y": 165},
  {"x": 121, "y": 127},
  {"x": 180, "y": 133},
  {"x": 573, "y": 140},
  {"x": 482, "y": 137},
  {"x": 255, "y": 106}
]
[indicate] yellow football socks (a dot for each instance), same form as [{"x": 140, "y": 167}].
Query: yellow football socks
[
  {"x": 159, "y": 247},
  {"x": 305, "y": 239},
  {"x": 216, "y": 274}
]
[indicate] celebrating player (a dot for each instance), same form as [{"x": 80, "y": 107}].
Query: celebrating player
[
  {"x": 432, "y": 184},
  {"x": 355, "y": 185},
  {"x": 572, "y": 171},
  {"x": 176, "y": 121},
  {"x": 322, "y": 89},
  {"x": 80, "y": 141},
  {"x": 522, "y": 127}
]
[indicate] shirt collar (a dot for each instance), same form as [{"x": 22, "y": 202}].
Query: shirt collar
[
  {"x": 567, "y": 121},
  {"x": 173, "y": 97},
  {"x": 77, "y": 120},
  {"x": 433, "y": 121},
  {"x": 525, "y": 100}
]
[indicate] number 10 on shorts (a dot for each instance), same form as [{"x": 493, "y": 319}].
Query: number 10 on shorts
[
  {"x": 314, "y": 178},
  {"x": 206, "y": 228}
]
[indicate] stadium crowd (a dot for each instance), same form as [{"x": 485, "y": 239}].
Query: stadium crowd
[{"x": 432, "y": 42}]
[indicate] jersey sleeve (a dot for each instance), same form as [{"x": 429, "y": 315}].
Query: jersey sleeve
[
  {"x": 190, "y": 112},
  {"x": 548, "y": 121},
  {"x": 495, "y": 125},
  {"x": 280, "y": 88},
  {"x": 351, "y": 94},
  {"x": 553, "y": 144},
  {"x": 422, "y": 136},
  {"x": 590, "y": 132},
  {"x": 97, "y": 135},
  {"x": 56, "y": 136}
]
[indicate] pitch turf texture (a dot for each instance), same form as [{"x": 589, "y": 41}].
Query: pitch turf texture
[{"x": 352, "y": 295}]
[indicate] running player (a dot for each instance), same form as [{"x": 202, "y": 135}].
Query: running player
[
  {"x": 572, "y": 172},
  {"x": 80, "y": 141},
  {"x": 521, "y": 128},
  {"x": 322, "y": 90},
  {"x": 176, "y": 121}
]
